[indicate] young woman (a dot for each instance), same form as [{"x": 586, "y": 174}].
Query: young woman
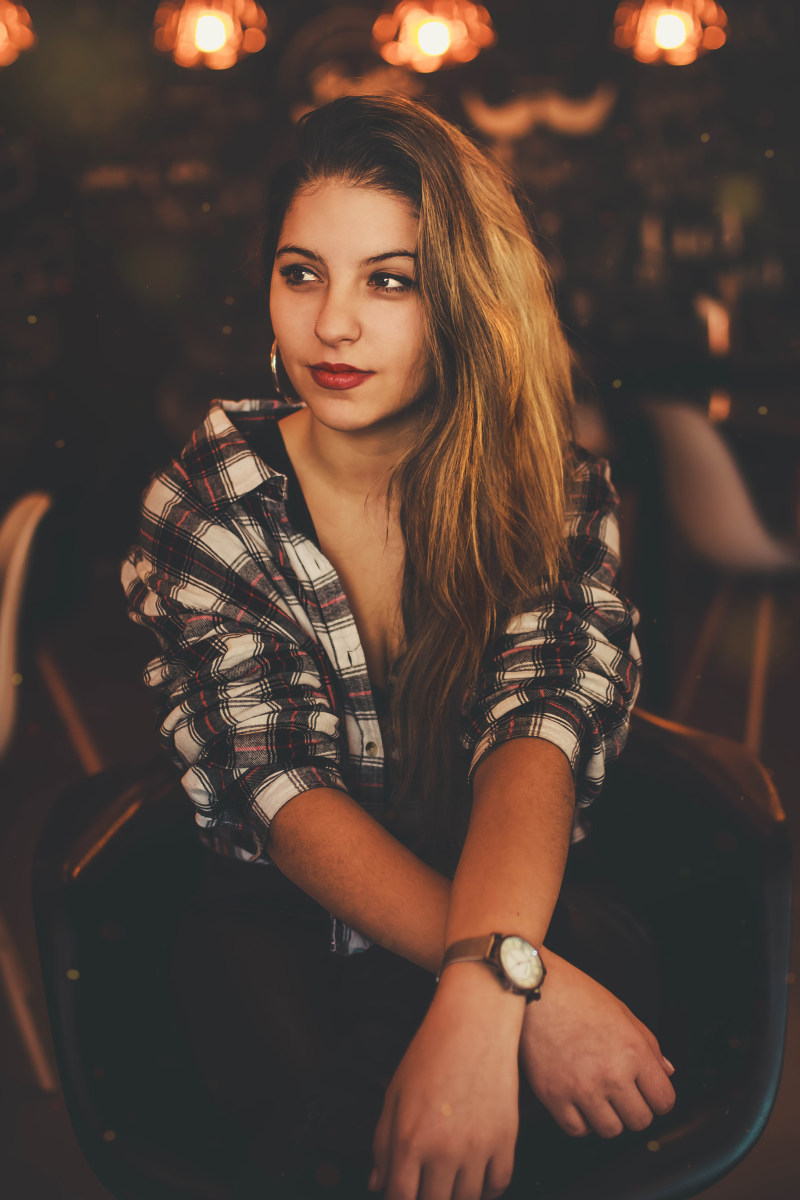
[{"x": 394, "y": 661}]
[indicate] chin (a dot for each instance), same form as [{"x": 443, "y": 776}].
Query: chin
[{"x": 346, "y": 415}]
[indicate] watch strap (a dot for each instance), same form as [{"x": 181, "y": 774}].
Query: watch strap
[
  {"x": 474, "y": 949},
  {"x": 481, "y": 949}
]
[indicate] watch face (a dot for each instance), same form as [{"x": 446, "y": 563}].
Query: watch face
[{"x": 521, "y": 962}]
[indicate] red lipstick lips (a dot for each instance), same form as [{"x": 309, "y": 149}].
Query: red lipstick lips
[{"x": 338, "y": 376}]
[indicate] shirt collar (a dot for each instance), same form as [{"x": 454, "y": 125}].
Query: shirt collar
[{"x": 218, "y": 460}]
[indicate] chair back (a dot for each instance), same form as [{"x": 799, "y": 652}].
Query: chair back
[
  {"x": 17, "y": 533},
  {"x": 708, "y": 497}
]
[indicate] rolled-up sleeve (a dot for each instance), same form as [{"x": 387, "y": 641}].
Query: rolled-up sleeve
[
  {"x": 568, "y": 670},
  {"x": 243, "y": 701}
]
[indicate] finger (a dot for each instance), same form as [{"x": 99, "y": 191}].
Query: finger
[
  {"x": 652, "y": 1042},
  {"x": 469, "y": 1182},
  {"x": 604, "y": 1119},
  {"x": 632, "y": 1108},
  {"x": 403, "y": 1177},
  {"x": 657, "y": 1090},
  {"x": 380, "y": 1146},
  {"x": 572, "y": 1120},
  {"x": 438, "y": 1180},
  {"x": 654, "y": 1045},
  {"x": 499, "y": 1173}
]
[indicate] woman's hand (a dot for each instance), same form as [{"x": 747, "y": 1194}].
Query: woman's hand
[
  {"x": 590, "y": 1061},
  {"x": 450, "y": 1117}
]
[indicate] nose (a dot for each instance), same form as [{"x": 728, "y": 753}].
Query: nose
[{"x": 338, "y": 319}]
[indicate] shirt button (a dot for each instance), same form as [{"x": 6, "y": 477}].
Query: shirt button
[{"x": 372, "y": 749}]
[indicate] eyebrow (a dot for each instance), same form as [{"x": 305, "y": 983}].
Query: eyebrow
[{"x": 367, "y": 262}]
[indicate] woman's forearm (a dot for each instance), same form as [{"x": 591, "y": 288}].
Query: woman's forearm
[
  {"x": 511, "y": 867},
  {"x": 508, "y": 877},
  {"x": 345, "y": 860}
]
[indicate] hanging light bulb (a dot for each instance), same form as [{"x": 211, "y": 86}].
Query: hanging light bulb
[
  {"x": 16, "y": 32},
  {"x": 673, "y": 31},
  {"x": 434, "y": 38},
  {"x": 427, "y": 34},
  {"x": 209, "y": 33}
]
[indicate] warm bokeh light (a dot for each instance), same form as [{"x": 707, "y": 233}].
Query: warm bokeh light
[
  {"x": 427, "y": 34},
  {"x": 434, "y": 37},
  {"x": 209, "y": 33},
  {"x": 718, "y": 324},
  {"x": 16, "y": 32},
  {"x": 673, "y": 31},
  {"x": 670, "y": 31},
  {"x": 719, "y": 406}
]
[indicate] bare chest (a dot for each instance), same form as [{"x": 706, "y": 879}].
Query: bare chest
[
  {"x": 365, "y": 547},
  {"x": 368, "y": 559}
]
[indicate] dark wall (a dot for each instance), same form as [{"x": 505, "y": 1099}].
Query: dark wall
[{"x": 132, "y": 190}]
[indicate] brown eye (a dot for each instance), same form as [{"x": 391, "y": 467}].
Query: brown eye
[
  {"x": 383, "y": 282},
  {"x": 293, "y": 274}
]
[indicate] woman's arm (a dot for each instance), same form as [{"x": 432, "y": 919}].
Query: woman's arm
[
  {"x": 567, "y": 670},
  {"x": 510, "y": 869},
  {"x": 508, "y": 877},
  {"x": 450, "y": 1119},
  {"x": 243, "y": 694},
  {"x": 451, "y": 1107},
  {"x": 345, "y": 860}
]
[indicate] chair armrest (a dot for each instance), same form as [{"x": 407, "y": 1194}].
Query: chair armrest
[{"x": 743, "y": 781}]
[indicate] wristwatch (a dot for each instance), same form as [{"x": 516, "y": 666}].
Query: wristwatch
[{"x": 514, "y": 960}]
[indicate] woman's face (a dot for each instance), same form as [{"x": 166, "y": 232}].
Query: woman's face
[{"x": 345, "y": 308}]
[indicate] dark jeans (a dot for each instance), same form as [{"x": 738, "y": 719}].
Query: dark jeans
[{"x": 297, "y": 1045}]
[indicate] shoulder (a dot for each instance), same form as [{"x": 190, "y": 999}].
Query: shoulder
[
  {"x": 218, "y": 464},
  {"x": 588, "y": 481},
  {"x": 188, "y": 517},
  {"x": 591, "y": 513}
]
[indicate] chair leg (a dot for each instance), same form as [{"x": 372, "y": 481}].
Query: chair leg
[
  {"x": 758, "y": 673},
  {"x": 18, "y": 991},
  {"x": 685, "y": 691},
  {"x": 82, "y": 741}
]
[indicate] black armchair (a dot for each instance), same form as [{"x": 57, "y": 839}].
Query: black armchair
[{"x": 690, "y": 827}]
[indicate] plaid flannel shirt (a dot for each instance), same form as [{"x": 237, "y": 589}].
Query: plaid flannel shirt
[{"x": 262, "y": 684}]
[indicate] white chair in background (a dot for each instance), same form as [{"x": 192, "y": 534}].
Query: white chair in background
[
  {"x": 711, "y": 507},
  {"x": 17, "y": 533}
]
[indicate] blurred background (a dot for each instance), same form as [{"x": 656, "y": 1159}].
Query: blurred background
[{"x": 660, "y": 160}]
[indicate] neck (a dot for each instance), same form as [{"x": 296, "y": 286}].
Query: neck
[{"x": 359, "y": 462}]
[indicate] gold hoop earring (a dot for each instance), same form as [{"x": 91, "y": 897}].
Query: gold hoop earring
[{"x": 273, "y": 366}]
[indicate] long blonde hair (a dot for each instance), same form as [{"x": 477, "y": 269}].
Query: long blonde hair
[{"x": 481, "y": 491}]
